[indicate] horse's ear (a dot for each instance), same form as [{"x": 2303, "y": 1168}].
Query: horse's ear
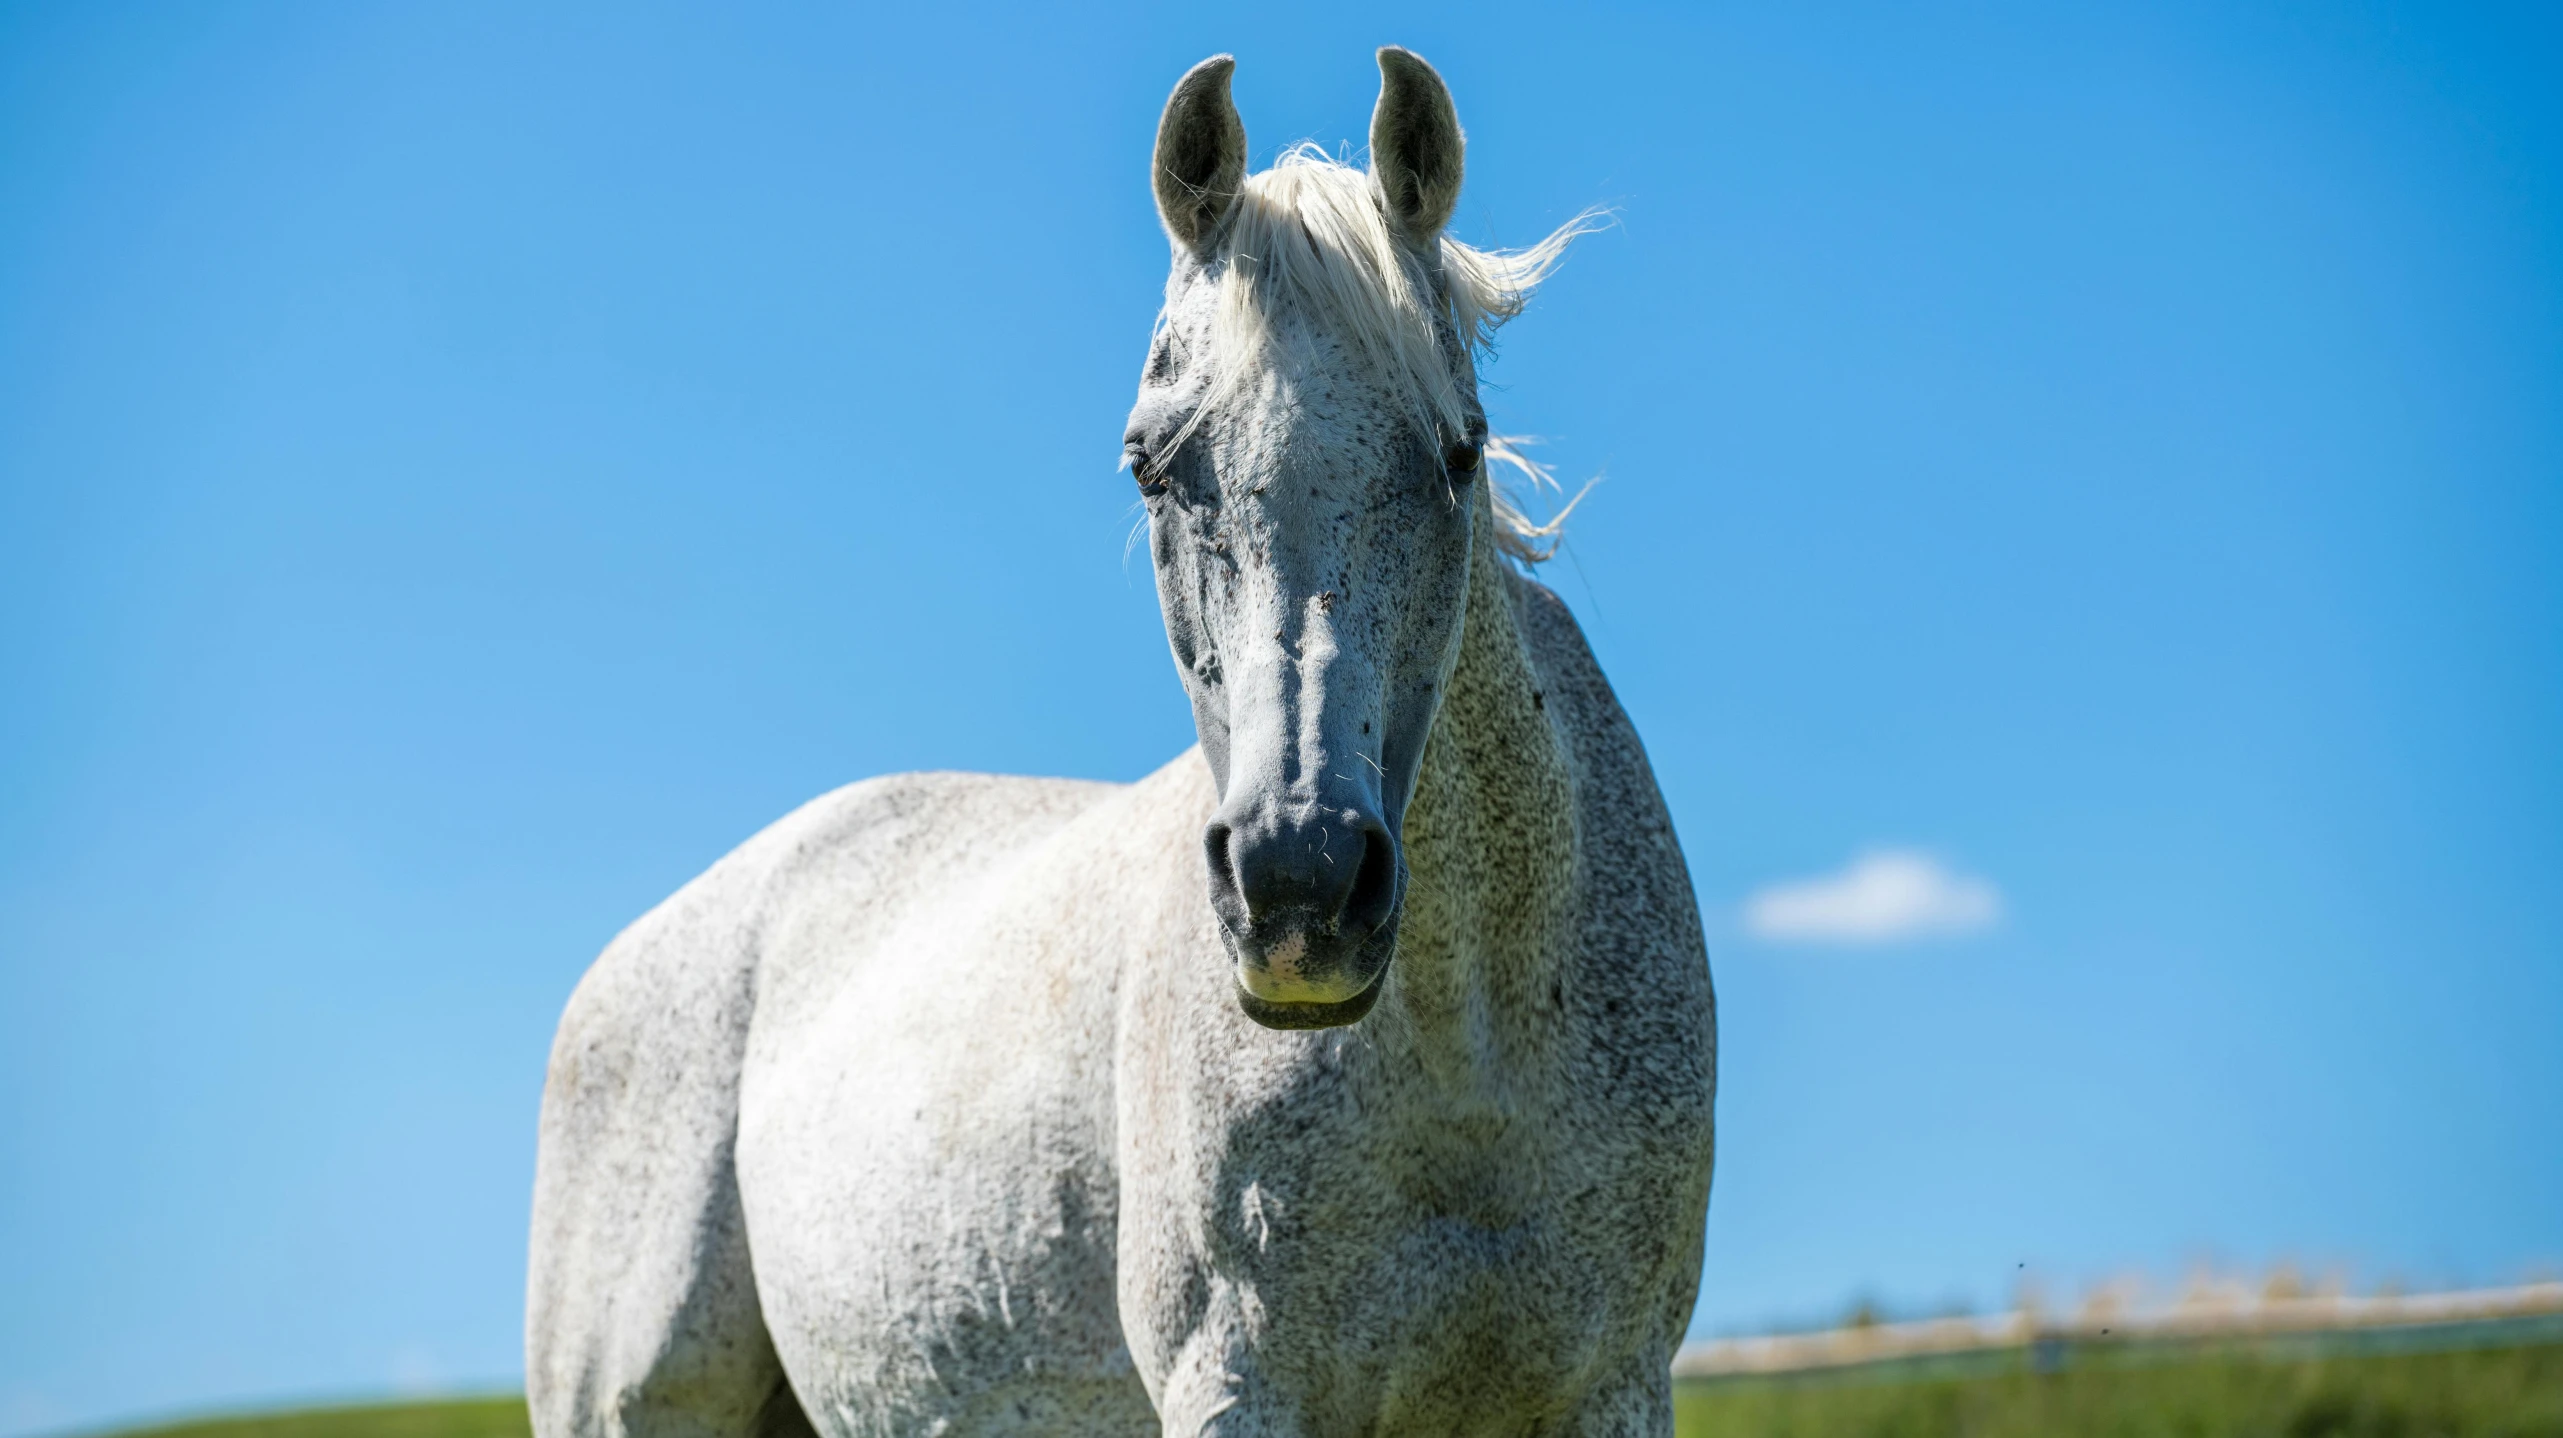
[
  {"x": 1415, "y": 145},
  {"x": 1201, "y": 154}
]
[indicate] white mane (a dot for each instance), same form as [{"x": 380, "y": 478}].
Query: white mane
[{"x": 1311, "y": 234}]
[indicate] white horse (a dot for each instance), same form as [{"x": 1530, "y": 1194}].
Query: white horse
[{"x": 1351, "y": 1074}]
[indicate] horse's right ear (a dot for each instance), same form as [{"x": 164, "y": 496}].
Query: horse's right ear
[{"x": 1201, "y": 154}]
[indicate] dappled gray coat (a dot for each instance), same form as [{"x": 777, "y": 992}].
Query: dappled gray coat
[{"x": 1351, "y": 1074}]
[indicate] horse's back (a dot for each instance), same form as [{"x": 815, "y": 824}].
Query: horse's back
[{"x": 644, "y": 1315}]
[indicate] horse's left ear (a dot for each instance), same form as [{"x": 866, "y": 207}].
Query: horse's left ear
[{"x": 1415, "y": 145}]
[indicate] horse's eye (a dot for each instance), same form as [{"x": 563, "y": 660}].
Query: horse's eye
[
  {"x": 1461, "y": 459},
  {"x": 1143, "y": 469}
]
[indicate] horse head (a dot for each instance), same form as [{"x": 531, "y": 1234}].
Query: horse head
[{"x": 1312, "y": 453}]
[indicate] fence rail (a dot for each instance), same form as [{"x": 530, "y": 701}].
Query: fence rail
[{"x": 2529, "y": 1312}]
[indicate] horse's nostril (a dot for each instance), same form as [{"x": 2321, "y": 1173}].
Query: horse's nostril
[
  {"x": 1214, "y": 841},
  {"x": 1375, "y": 884},
  {"x": 1227, "y": 890},
  {"x": 1336, "y": 874}
]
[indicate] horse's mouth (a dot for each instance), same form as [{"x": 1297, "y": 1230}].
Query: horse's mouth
[
  {"x": 1312, "y": 1016},
  {"x": 1380, "y": 947}
]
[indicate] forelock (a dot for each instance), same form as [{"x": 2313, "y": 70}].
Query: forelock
[{"x": 1309, "y": 241}]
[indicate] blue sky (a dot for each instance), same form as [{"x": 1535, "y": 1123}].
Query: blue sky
[{"x": 461, "y": 471}]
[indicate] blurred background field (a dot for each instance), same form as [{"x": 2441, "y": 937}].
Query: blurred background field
[
  {"x": 2510, "y": 1392},
  {"x": 2514, "y": 1392},
  {"x": 2221, "y": 1357},
  {"x": 486, "y": 1417}
]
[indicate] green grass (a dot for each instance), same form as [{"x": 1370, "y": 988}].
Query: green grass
[
  {"x": 450, "y": 1418},
  {"x": 2495, "y": 1393}
]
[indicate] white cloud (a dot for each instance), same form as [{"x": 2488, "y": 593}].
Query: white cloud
[
  {"x": 415, "y": 1371},
  {"x": 1885, "y": 895}
]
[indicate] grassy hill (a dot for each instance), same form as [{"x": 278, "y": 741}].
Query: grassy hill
[
  {"x": 2484, "y": 1393},
  {"x": 2500, "y": 1393},
  {"x": 450, "y": 1418}
]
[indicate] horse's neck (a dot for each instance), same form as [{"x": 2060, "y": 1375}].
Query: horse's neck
[{"x": 1490, "y": 852}]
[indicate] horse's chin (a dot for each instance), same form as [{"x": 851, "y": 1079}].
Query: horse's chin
[
  {"x": 1311, "y": 1016},
  {"x": 1275, "y": 1014}
]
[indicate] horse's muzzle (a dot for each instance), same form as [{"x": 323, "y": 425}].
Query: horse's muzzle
[{"x": 1310, "y": 909}]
